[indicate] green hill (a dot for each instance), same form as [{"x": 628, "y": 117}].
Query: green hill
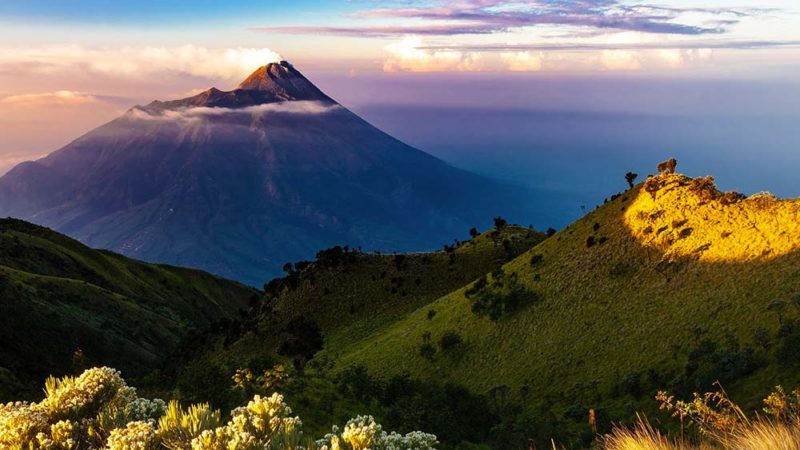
[
  {"x": 671, "y": 285},
  {"x": 58, "y": 296},
  {"x": 344, "y": 296}
]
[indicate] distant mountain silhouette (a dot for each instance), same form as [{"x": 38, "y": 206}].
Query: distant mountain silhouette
[{"x": 240, "y": 182}]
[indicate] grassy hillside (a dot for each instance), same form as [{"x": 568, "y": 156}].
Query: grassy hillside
[
  {"x": 670, "y": 285},
  {"x": 58, "y": 296},
  {"x": 345, "y": 296}
]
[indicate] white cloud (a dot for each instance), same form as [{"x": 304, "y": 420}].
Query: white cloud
[
  {"x": 658, "y": 59},
  {"x": 229, "y": 63},
  {"x": 63, "y": 97},
  {"x": 408, "y": 56},
  {"x": 202, "y": 112},
  {"x": 522, "y": 61},
  {"x": 620, "y": 60}
]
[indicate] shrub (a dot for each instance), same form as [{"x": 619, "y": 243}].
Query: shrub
[
  {"x": 631, "y": 384},
  {"x": 450, "y": 339},
  {"x": 498, "y": 302},
  {"x": 177, "y": 426},
  {"x": 427, "y": 350},
  {"x": 363, "y": 433},
  {"x": 303, "y": 338},
  {"x": 136, "y": 435}
]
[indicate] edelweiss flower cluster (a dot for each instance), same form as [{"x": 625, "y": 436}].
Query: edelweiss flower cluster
[
  {"x": 137, "y": 435},
  {"x": 20, "y": 423},
  {"x": 415, "y": 440},
  {"x": 145, "y": 409},
  {"x": 73, "y": 397},
  {"x": 63, "y": 436},
  {"x": 363, "y": 433},
  {"x": 252, "y": 426}
]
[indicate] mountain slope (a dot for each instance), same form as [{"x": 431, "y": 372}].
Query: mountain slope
[
  {"x": 57, "y": 296},
  {"x": 671, "y": 285},
  {"x": 240, "y": 182},
  {"x": 347, "y": 295}
]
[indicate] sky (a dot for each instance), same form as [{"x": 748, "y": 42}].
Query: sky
[{"x": 583, "y": 67}]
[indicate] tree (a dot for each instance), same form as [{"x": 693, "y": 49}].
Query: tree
[
  {"x": 473, "y": 232},
  {"x": 303, "y": 338},
  {"x": 630, "y": 177},
  {"x": 500, "y": 223}
]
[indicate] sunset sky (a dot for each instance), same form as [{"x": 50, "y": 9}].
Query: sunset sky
[{"x": 66, "y": 67}]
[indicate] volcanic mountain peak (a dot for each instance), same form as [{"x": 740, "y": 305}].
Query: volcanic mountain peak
[
  {"x": 274, "y": 82},
  {"x": 283, "y": 81}
]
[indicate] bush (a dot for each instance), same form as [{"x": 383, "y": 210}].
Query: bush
[
  {"x": 302, "y": 339},
  {"x": 536, "y": 259},
  {"x": 498, "y": 302},
  {"x": 450, "y": 340},
  {"x": 427, "y": 350}
]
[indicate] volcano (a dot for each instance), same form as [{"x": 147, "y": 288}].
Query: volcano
[{"x": 239, "y": 182}]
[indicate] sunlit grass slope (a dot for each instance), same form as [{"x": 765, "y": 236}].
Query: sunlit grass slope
[
  {"x": 58, "y": 296},
  {"x": 670, "y": 284}
]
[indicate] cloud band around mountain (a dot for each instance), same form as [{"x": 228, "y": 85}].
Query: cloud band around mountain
[{"x": 203, "y": 112}]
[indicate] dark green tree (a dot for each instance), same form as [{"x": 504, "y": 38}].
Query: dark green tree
[{"x": 630, "y": 177}]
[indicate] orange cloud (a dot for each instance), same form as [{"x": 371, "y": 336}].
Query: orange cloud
[{"x": 409, "y": 56}]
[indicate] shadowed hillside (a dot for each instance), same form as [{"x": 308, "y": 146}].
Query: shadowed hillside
[{"x": 58, "y": 296}]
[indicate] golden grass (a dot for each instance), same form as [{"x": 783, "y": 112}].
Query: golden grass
[
  {"x": 766, "y": 436},
  {"x": 760, "y": 435},
  {"x": 644, "y": 437},
  {"x": 682, "y": 219}
]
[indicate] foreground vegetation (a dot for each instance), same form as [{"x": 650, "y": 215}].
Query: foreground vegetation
[
  {"x": 98, "y": 410},
  {"x": 716, "y": 422}
]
